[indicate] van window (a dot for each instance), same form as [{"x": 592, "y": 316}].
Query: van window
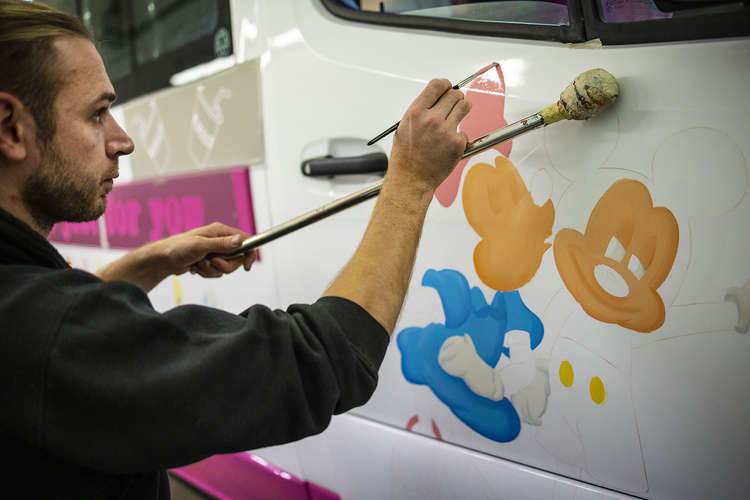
[
  {"x": 163, "y": 26},
  {"x": 547, "y": 12},
  {"x": 145, "y": 42},
  {"x": 108, "y": 22},
  {"x": 68, "y": 6},
  {"x": 629, "y": 11},
  {"x": 536, "y": 19},
  {"x": 611, "y": 21},
  {"x": 647, "y": 21}
]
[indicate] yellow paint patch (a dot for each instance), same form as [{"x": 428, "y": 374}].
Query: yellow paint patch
[
  {"x": 598, "y": 394},
  {"x": 177, "y": 290},
  {"x": 566, "y": 373}
]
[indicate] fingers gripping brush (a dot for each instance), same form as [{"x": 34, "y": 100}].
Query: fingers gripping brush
[{"x": 586, "y": 96}]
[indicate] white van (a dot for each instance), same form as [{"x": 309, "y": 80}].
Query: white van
[{"x": 577, "y": 322}]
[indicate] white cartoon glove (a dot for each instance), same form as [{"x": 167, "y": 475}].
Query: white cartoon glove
[
  {"x": 458, "y": 357},
  {"x": 531, "y": 401}
]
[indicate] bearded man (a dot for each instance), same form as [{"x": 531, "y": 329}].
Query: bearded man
[{"x": 100, "y": 393}]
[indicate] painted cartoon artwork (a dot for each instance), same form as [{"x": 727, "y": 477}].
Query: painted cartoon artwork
[
  {"x": 513, "y": 228},
  {"x": 614, "y": 269},
  {"x": 602, "y": 373},
  {"x": 591, "y": 412},
  {"x": 487, "y": 96},
  {"x": 480, "y": 361},
  {"x": 569, "y": 381}
]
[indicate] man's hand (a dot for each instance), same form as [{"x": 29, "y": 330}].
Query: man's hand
[
  {"x": 427, "y": 145},
  {"x": 425, "y": 150},
  {"x": 193, "y": 251}
]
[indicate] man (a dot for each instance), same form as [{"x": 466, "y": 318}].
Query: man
[{"x": 100, "y": 393}]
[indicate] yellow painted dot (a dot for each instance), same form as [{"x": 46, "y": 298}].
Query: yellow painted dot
[
  {"x": 596, "y": 387},
  {"x": 566, "y": 373}
]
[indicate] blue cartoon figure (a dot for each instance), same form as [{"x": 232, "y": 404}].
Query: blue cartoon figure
[{"x": 480, "y": 362}]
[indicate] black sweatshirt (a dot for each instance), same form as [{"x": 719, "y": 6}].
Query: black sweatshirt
[{"x": 99, "y": 393}]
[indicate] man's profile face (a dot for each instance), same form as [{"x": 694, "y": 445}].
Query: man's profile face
[{"x": 77, "y": 167}]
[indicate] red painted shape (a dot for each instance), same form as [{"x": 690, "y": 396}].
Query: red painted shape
[
  {"x": 487, "y": 96},
  {"x": 412, "y": 422},
  {"x": 436, "y": 431}
]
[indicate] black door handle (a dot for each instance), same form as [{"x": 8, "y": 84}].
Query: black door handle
[{"x": 348, "y": 165}]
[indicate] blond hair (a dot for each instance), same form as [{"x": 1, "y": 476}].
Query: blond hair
[{"x": 28, "y": 56}]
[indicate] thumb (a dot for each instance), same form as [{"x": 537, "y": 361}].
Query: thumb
[{"x": 222, "y": 244}]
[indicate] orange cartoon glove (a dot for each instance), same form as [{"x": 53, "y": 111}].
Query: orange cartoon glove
[{"x": 513, "y": 229}]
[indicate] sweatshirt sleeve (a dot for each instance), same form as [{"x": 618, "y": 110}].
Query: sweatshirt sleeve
[{"x": 130, "y": 389}]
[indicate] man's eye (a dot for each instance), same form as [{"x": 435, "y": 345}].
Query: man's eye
[{"x": 99, "y": 115}]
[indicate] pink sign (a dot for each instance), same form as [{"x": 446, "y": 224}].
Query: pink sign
[{"x": 143, "y": 211}]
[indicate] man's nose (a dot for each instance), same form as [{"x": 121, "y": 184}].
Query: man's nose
[{"x": 119, "y": 143}]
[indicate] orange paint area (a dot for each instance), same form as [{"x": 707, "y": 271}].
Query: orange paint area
[
  {"x": 627, "y": 251},
  {"x": 513, "y": 229},
  {"x": 487, "y": 96}
]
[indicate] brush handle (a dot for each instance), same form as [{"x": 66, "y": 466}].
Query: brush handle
[
  {"x": 383, "y": 133},
  {"x": 308, "y": 218},
  {"x": 455, "y": 87},
  {"x": 474, "y": 147}
]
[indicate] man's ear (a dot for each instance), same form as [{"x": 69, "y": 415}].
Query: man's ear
[{"x": 13, "y": 127}]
